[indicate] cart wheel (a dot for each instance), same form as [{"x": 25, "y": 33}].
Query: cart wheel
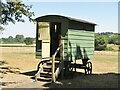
[{"x": 88, "y": 69}]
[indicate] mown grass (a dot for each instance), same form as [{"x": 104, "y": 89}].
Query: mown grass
[
  {"x": 105, "y": 68},
  {"x": 114, "y": 47},
  {"x": 16, "y": 45},
  {"x": 103, "y": 61},
  {"x": 21, "y": 57},
  {"x": 3, "y": 62}
]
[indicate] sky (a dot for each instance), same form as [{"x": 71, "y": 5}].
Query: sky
[{"x": 104, "y": 14}]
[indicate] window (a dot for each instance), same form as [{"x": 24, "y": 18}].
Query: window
[
  {"x": 43, "y": 31},
  {"x": 55, "y": 28}
]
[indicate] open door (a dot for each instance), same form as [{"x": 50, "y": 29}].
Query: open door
[
  {"x": 44, "y": 35},
  {"x": 55, "y": 33}
]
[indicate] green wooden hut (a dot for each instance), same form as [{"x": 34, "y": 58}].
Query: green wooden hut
[{"x": 76, "y": 36}]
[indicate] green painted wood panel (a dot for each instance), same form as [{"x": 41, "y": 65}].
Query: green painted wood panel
[
  {"x": 38, "y": 52},
  {"x": 80, "y": 43},
  {"x": 89, "y": 45},
  {"x": 81, "y": 49},
  {"x": 80, "y": 33},
  {"x": 65, "y": 38},
  {"x": 80, "y": 37}
]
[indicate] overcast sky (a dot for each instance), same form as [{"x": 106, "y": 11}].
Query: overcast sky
[{"x": 104, "y": 14}]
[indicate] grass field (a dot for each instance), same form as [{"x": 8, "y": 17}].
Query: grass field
[
  {"x": 115, "y": 47},
  {"x": 22, "y": 59},
  {"x": 19, "y": 57},
  {"x": 16, "y": 45}
]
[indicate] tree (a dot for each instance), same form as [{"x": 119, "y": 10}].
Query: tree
[
  {"x": 19, "y": 38},
  {"x": 10, "y": 39},
  {"x": 28, "y": 41},
  {"x": 114, "y": 39},
  {"x": 1, "y": 28},
  {"x": 4, "y": 40},
  {"x": 101, "y": 42},
  {"x": 14, "y": 10}
]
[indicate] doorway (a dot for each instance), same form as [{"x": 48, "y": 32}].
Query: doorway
[{"x": 55, "y": 37}]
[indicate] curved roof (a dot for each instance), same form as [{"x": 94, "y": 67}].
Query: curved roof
[{"x": 69, "y": 18}]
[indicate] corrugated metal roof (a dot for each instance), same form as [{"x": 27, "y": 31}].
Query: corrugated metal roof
[{"x": 69, "y": 18}]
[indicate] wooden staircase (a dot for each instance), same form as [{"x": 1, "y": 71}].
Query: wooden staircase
[
  {"x": 46, "y": 72},
  {"x": 49, "y": 68}
]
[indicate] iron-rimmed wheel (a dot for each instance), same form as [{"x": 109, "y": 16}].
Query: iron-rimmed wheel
[{"x": 88, "y": 69}]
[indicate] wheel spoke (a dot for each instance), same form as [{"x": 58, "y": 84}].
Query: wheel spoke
[{"x": 88, "y": 69}]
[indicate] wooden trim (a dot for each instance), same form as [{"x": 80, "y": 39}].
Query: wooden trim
[
  {"x": 44, "y": 26},
  {"x": 53, "y": 68}
]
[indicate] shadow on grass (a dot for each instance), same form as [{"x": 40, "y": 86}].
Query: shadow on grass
[
  {"x": 3, "y": 62},
  {"x": 29, "y": 73},
  {"x": 80, "y": 80}
]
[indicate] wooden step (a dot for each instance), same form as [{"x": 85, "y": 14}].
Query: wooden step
[
  {"x": 47, "y": 68},
  {"x": 57, "y": 59},
  {"x": 44, "y": 79},
  {"x": 46, "y": 74},
  {"x": 50, "y": 63}
]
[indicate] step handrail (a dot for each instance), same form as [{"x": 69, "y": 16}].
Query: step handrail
[
  {"x": 45, "y": 60},
  {"x": 40, "y": 66},
  {"x": 53, "y": 62},
  {"x": 59, "y": 47}
]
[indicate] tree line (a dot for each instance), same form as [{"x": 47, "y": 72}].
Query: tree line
[
  {"x": 104, "y": 38},
  {"x": 18, "y": 39},
  {"x": 101, "y": 40}
]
